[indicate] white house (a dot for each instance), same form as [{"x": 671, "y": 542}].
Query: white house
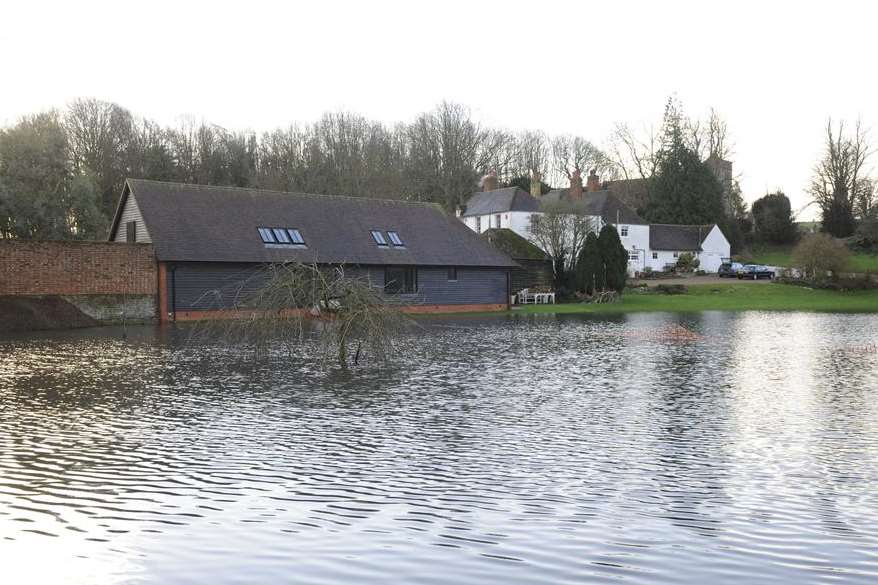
[
  {"x": 654, "y": 246},
  {"x": 667, "y": 242}
]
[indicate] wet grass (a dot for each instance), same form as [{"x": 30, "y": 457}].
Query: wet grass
[
  {"x": 782, "y": 256},
  {"x": 741, "y": 296}
]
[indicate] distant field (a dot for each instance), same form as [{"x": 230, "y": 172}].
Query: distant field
[
  {"x": 739, "y": 296},
  {"x": 780, "y": 256}
]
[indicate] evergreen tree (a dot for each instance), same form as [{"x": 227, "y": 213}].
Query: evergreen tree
[
  {"x": 589, "y": 265},
  {"x": 684, "y": 189},
  {"x": 614, "y": 259},
  {"x": 773, "y": 219},
  {"x": 838, "y": 219}
]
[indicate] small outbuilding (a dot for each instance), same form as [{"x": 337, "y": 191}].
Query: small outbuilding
[{"x": 534, "y": 269}]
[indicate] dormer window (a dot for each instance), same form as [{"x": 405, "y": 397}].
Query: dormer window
[
  {"x": 395, "y": 239},
  {"x": 379, "y": 238},
  {"x": 278, "y": 237}
]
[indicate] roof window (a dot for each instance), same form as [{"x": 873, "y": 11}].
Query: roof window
[
  {"x": 279, "y": 236},
  {"x": 395, "y": 239},
  {"x": 379, "y": 238}
]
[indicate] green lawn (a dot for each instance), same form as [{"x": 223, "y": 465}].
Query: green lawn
[
  {"x": 780, "y": 256},
  {"x": 728, "y": 297}
]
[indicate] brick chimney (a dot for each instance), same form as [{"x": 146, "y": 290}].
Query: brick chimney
[
  {"x": 489, "y": 182},
  {"x": 594, "y": 182},
  {"x": 536, "y": 184},
  {"x": 576, "y": 186}
]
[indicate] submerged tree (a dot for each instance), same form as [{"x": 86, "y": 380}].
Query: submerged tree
[{"x": 291, "y": 303}]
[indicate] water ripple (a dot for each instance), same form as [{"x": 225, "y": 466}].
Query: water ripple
[{"x": 562, "y": 449}]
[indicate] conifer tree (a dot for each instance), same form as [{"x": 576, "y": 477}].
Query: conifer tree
[
  {"x": 589, "y": 265},
  {"x": 684, "y": 189},
  {"x": 614, "y": 259}
]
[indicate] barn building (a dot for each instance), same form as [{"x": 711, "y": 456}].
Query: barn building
[{"x": 209, "y": 241}]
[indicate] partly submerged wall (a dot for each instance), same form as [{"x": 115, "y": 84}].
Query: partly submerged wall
[{"x": 103, "y": 281}]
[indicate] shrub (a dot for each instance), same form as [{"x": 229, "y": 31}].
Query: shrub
[
  {"x": 687, "y": 262},
  {"x": 671, "y": 289},
  {"x": 819, "y": 254}
]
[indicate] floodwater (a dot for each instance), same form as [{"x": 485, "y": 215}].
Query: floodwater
[{"x": 649, "y": 448}]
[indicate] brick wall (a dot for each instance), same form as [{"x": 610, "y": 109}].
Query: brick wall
[{"x": 76, "y": 268}]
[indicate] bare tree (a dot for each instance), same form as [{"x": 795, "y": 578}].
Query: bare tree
[
  {"x": 841, "y": 173},
  {"x": 279, "y": 304},
  {"x": 100, "y": 135},
  {"x": 561, "y": 230},
  {"x": 634, "y": 153},
  {"x": 718, "y": 144},
  {"x": 571, "y": 154}
]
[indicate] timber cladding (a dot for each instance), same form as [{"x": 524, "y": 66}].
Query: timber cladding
[{"x": 76, "y": 268}]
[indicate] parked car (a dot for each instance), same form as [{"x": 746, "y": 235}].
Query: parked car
[
  {"x": 755, "y": 272},
  {"x": 729, "y": 269}
]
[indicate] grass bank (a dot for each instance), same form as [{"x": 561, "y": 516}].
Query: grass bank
[
  {"x": 781, "y": 256},
  {"x": 740, "y": 296}
]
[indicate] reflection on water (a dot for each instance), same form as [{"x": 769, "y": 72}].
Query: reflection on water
[{"x": 561, "y": 449}]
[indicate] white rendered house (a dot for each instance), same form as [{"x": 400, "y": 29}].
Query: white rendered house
[
  {"x": 655, "y": 246},
  {"x": 705, "y": 242}
]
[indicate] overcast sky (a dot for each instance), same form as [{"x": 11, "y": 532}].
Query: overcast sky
[{"x": 774, "y": 70}]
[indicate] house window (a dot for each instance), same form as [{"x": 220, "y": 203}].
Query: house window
[
  {"x": 478, "y": 225},
  {"x": 676, "y": 254},
  {"x": 395, "y": 239},
  {"x": 497, "y": 221},
  {"x": 452, "y": 274},
  {"x": 131, "y": 232},
  {"x": 633, "y": 255},
  {"x": 655, "y": 255},
  {"x": 379, "y": 238},
  {"x": 624, "y": 231},
  {"x": 400, "y": 280}
]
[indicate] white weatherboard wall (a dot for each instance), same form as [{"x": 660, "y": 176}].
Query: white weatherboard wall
[
  {"x": 517, "y": 221},
  {"x": 636, "y": 242},
  {"x": 714, "y": 248},
  {"x": 658, "y": 259}
]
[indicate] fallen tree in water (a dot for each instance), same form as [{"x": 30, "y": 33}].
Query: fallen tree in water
[{"x": 347, "y": 316}]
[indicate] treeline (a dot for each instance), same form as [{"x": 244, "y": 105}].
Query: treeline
[{"x": 61, "y": 172}]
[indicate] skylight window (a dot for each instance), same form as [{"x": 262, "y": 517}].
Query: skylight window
[
  {"x": 379, "y": 238},
  {"x": 266, "y": 235},
  {"x": 296, "y": 236},
  {"x": 395, "y": 239},
  {"x": 281, "y": 236}
]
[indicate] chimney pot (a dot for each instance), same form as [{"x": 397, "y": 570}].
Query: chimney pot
[
  {"x": 489, "y": 181},
  {"x": 576, "y": 186},
  {"x": 536, "y": 186},
  {"x": 594, "y": 182}
]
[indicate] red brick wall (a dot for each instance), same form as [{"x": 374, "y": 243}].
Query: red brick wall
[{"x": 76, "y": 268}]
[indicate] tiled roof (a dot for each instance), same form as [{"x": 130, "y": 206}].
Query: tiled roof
[
  {"x": 678, "y": 237},
  {"x": 219, "y": 224},
  {"x": 500, "y": 201}
]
